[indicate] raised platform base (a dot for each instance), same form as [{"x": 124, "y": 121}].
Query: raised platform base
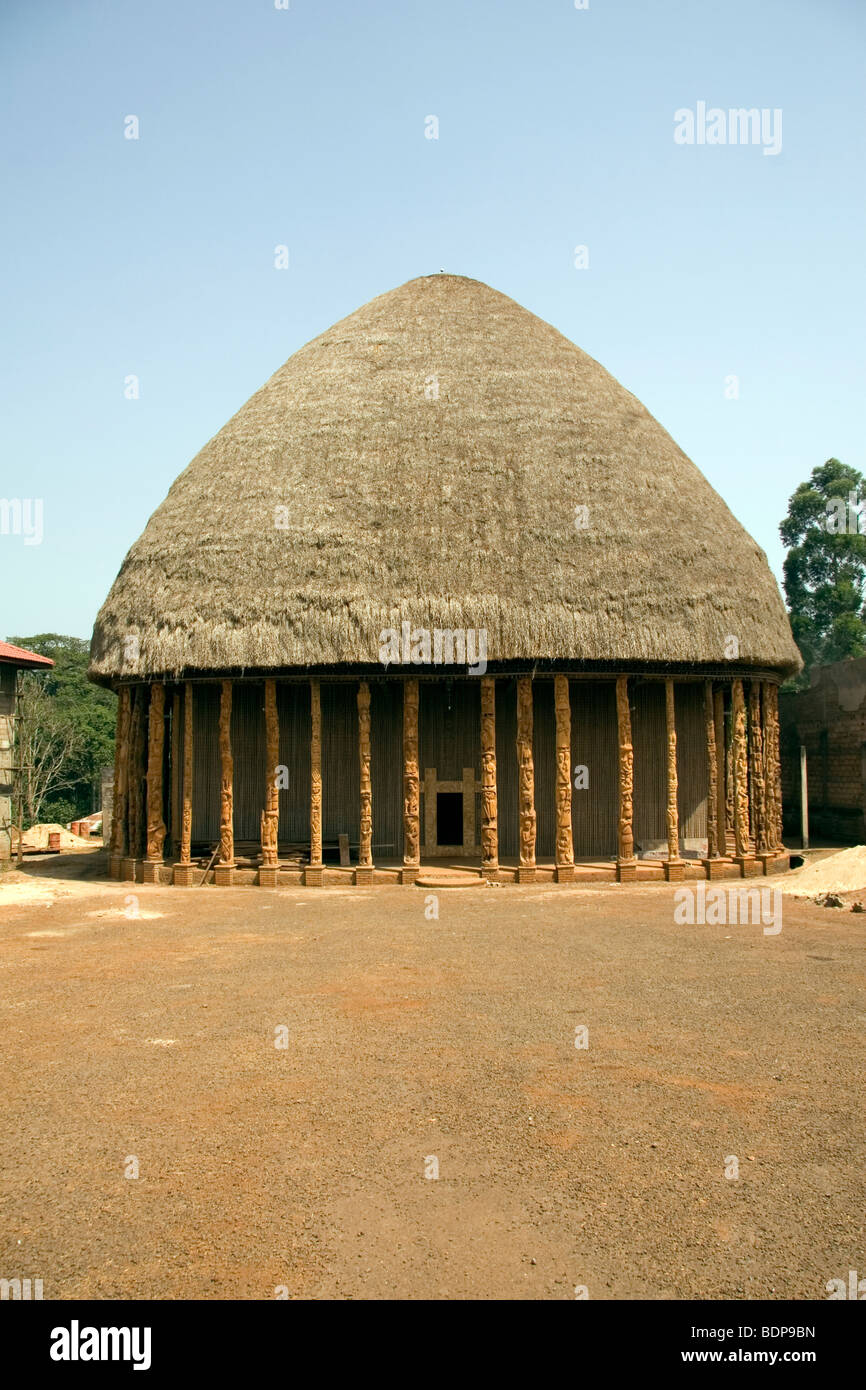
[
  {"x": 224, "y": 875},
  {"x": 150, "y": 871},
  {"x": 674, "y": 870},
  {"x": 364, "y": 876},
  {"x": 114, "y": 864},
  {"x": 127, "y": 870},
  {"x": 626, "y": 871},
  {"x": 269, "y": 875},
  {"x": 526, "y": 873},
  {"x": 183, "y": 875},
  {"x": 564, "y": 873}
]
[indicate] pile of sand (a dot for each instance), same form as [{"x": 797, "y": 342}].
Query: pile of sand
[
  {"x": 37, "y": 837},
  {"x": 844, "y": 872}
]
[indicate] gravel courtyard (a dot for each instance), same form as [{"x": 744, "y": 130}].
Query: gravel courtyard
[{"x": 412, "y": 1043}]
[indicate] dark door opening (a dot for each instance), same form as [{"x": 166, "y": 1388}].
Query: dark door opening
[{"x": 449, "y": 818}]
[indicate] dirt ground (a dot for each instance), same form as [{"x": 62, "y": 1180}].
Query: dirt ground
[{"x": 142, "y": 1026}]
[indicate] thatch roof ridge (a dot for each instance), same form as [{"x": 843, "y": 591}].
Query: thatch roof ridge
[{"x": 422, "y": 460}]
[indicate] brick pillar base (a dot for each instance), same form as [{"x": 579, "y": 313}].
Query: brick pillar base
[
  {"x": 626, "y": 870},
  {"x": 269, "y": 875},
  {"x": 114, "y": 864},
  {"x": 526, "y": 873},
  {"x": 314, "y": 876},
  {"x": 715, "y": 868},
  {"x": 409, "y": 873},
  {"x": 748, "y": 865},
  {"x": 182, "y": 875},
  {"x": 364, "y": 876},
  {"x": 150, "y": 870},
  {"x": 127, "y": 870},
  {"x": 564, "y": 873},
  {"x": 224, "y": 875},
  {"x": 674, "y": 870}
]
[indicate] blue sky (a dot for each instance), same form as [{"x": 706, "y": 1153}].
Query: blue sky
[{"x": 306, "y": 127}]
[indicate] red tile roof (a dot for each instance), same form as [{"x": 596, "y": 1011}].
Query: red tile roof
[{"x": 17, "y": 656}]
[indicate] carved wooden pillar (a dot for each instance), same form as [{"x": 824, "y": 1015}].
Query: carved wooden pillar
[
  {"x": 564, "y": 837},
  {"x": 674, "y": 867},
  {"x": 364, "y": 871},
  {"x": 489, "y": 808},
  {"x": 173, "y": 839},
  {"x": 712, "y": 777},
  {"x": 740, "y": 759},
  {"x": 183, "y": 868},
  {"x": 730, "y": 837},
  {"x": 314, "y": 875},
  {"x": 756, "y": 770},
  {"x": 411, "y": 784},
  {"x": 121, "y": 783},
  {"x": 270, "y": 818},
  {"x": 626, "y": 864},
  {"x": 155, "y": 746},
  {"x": 224, "y": 871},
  {"x": 135, "y": 793},
  {"x": 526, "y": 781},
  {"x": 721, "y": 790},
  {"x": 773, "y": 767}
]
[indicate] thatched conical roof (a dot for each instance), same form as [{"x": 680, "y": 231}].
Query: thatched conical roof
[{"x": 422, "y": 461}]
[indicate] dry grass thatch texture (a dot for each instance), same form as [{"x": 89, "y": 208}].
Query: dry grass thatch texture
[{"x": 428, "y": 453}]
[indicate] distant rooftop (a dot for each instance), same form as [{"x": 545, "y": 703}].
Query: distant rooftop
[{"x": 18, "y": 656}]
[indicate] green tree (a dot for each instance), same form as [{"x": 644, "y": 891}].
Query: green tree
[
  {"x": 74, "y": 714},
  {"x": 825, "y": 568}
]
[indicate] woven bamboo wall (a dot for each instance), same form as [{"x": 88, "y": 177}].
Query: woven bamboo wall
[
  {"x": 449, "y": 727},
  {"x": 595, "y": 810}
]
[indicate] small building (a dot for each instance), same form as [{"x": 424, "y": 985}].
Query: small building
[
  {"x": 443, "y": 590},
  {"x": 12, "y": 660},
  {"x": 828, "y": 719}
]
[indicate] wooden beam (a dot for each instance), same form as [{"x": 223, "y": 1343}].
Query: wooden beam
[
  {"x": 756, "y": 769},
  {"x": 135, "y": 804},
  {"x": 489, "y": 804},
  {"x": 772, "y": 765},
  {"x": 155, "y": 751},
  {"x": 119, "y": 812},
  {"x": 564, "y": 836},
  {"x": 315, "y": 775},
  {"x": 526, "y": 781},
  {"x": 626, "y": 865},
  {"x": 674, "y": 865},
  {"x": 186, "y": 796},
  {"x": 173, "y": 841},
  {"x": 712, "y": 773},
  {"x": 270, "y": 817},
  {"x": 227, "y": 833},
  {"x": 721, "y": 791},
  {"x": 365, "y": 839},
  {"x": 740, "y": 760},
  {"x": 411, "y": 783}
]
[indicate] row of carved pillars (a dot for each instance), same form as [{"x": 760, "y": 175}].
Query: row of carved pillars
[
  {"x": 744, "y": 780},
  {"x": 744, "y": 811}
]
